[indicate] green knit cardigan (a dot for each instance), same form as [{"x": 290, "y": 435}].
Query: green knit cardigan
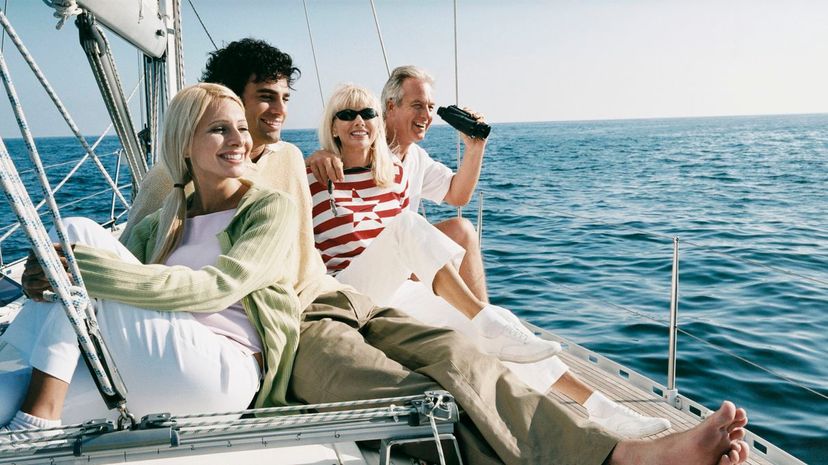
[{"x": 256, "y": 248}]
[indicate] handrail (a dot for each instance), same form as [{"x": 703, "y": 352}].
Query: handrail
[
  {"x": 674, "y": 283},
  {"x": 695, "y": 244},
  {"x": 59, "y": 185},
  {"x": 56, "y": 100},
  {"x": 575, "y": 295},
  {"x": 15, "y": 226}
]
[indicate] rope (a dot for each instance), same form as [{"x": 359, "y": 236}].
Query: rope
[
  {"x": 71, "y": 172},
  {"x": 61, "y": 108},
  {"x": 3, "y": 37},
  {"x": 179, "y": 44},
  {"x": 202, "y": 24},
  {"x": 36, "y": 435},
  {"x": 293, "y": 420},
  {"x": 73, "y": 298},
  {"x": 64, "y": 9},
  {"x": 296, "y": 408},
  {"x": 248, "y": 425},
  {"x": 434, "y": 431},
  {"x": 58, "y": 186},
  {"x": 38, "y": 166},
  {"x": 313, "y": 52},
  {"x": 379, "y": 34},
  {"x": 113, "y": 96}
]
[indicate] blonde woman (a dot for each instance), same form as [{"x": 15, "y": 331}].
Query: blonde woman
[
  {"x": 194, "y": 313},
  {"x": 370, "y": 240}
]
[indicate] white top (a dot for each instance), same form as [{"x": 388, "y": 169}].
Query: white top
[
  {"x": 427, "y": 178},
  {"x": 200, "y": 247}
]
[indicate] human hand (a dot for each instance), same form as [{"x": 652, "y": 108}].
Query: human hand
[
  {"x": 473, "y": 141},
  {"x": 34, "y": 280},
  {"x": 325, "y": 165}
]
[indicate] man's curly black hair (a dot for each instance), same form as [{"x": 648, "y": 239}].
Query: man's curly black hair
[{"x": 238, "y": 61}]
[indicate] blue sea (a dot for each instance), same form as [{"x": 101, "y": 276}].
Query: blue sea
[{"x": 578, "y": 227}]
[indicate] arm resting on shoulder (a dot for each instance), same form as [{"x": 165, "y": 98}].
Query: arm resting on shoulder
[{"x": 325, "y": 165}]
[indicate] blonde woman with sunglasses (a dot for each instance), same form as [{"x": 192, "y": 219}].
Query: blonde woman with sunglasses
[{"x": 370, "y": 240}]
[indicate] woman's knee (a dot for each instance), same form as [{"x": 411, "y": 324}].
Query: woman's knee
[{"x": 77, "y": 227}]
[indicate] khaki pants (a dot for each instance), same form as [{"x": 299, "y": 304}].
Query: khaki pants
[{"x": 349, "y": 349}]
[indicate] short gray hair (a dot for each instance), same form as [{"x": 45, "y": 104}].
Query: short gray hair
[{"x": 393, "y": 87}]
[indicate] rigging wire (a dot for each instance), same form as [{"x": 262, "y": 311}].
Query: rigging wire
[
  {"x": 575, "y": 296},
  {"x": 58, "y": 103},
  {"x": 699, "y": 245},
  {"x": 202, "y": 24},
  {"x": 457, "y": 98},
  {"x": 3, "y": 37},
  {"x": 379, "y": 33},
  {"x": 456, "y": 66},
  {"x": 313, "y": 52},
  {"x": 179, "y": 44}
]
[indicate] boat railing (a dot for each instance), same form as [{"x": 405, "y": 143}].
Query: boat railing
[
  {"x": 428, "y": 417},
  {"x": 672, "y": 325},
  {"x": 7, "y": 231}
]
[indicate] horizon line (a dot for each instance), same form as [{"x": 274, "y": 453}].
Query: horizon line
[{"x": 584, "y": 120}]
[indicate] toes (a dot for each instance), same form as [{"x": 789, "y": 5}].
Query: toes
[
  {"x": 737, "y": 434},
  {"x": 724, "y": 416},
  {"x": 744, "y": 451},
  {"x": 740, "y": 419}
]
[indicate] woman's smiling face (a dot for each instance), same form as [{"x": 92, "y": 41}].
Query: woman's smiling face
[{"x": 221, "y": 143}]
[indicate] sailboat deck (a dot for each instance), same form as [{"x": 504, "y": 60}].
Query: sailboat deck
[{"x": 637, "y": 399}]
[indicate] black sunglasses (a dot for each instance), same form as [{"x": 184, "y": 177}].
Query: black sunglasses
[{"x": 350, "y": 115}]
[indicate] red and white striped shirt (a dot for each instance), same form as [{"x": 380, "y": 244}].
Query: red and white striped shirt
[{"x": 363, "y": 210}]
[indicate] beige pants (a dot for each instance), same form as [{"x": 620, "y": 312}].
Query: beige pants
[{"x": 349, "y": 349}]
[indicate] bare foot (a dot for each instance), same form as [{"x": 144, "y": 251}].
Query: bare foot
[{"x": 716, "y": 441}]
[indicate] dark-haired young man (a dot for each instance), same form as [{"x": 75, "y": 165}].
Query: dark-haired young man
[{"x": 262, "y": 76}]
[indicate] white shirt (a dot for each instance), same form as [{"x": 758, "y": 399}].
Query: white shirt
[
  {"x": 200, "y": 247},
  {"x": 427, "y": 178}
]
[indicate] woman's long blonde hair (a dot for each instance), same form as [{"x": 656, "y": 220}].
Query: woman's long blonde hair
[
  {"x": 357, "y": 98},
  {"x": 182, "y": 117}
]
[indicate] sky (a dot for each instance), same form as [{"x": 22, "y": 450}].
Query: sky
[{"x": 518, "y": 60}]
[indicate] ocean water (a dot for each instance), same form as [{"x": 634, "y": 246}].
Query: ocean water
[{"x": 578, "y": 221}]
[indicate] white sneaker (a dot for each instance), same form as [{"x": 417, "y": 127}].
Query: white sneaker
[
  {"x": 629, "y": 423},
  {"x": 510, "y": 341}
]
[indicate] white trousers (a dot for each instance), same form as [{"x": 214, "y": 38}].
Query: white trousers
[
  {"x": 409, "y": 245},
  {"x": 168, "y": 361}
]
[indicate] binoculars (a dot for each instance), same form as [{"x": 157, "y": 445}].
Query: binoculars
[{"x": 464, "y": 122}]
